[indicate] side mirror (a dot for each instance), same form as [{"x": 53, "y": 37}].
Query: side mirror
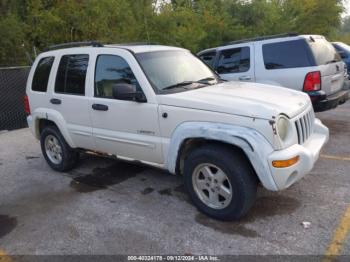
[
  {"x": 128, "y": 92},
  {"x": 343, "y": 54}
]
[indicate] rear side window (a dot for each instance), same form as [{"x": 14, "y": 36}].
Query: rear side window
[
  {"x": 111, "y": 70},
  {"x": 208, "y": 58},
  {"x": 234, "y": 60},
  {"x": 42, "y": 73},
  {"x": 289, "y": 54},
  {"x": 71, "y": 74},
  {"x": 323, "y": 51}
]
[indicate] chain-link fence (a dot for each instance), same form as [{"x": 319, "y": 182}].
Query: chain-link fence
[{"x": 12, "y": 90}]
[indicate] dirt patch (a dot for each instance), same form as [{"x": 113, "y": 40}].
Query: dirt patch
[
  {"x": 32, "y": 157},
  {"x": 147, "y": 190},
  {"x": 226, "y": 227},
  {"x": 101, "y": 178},
  {"x": 179, "y": 192},
  {"x": 270, "y": 206},
  {"x": 264, "y": 207},
  {"x": 7, "y": 224},
  {"x": 166, "y": 191},
  {"x": 338, "y": 127}
]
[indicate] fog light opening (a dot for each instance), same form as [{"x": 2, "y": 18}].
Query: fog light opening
[{"x": 285, "y": 163}]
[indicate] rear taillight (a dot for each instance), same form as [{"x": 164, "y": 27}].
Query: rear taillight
[
  {"x": 312, "y": 81},
  {"x": 26, "y": 105}
]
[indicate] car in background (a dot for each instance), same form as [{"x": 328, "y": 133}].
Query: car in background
[
  {"x": 344, "y": 52},
  {"x": 307, "y": 63}
]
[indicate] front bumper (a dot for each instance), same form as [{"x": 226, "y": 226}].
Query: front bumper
[
  {"x": 308, "y": 153},
  {"x": 322, "y": 102}
]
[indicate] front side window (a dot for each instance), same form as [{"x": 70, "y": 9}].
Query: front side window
[
  {"x": 112, "y": 70},
  {"x": 208, "y": 58},
  {"x": 71, "y": 74},
  {"x": 288, "y": 54},
  {"x": 42, "y": 73},
  {"x": 176, "y": 69},
  {"x": 236, "y": 60}
]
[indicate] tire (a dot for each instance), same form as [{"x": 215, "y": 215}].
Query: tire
[
  {"x": 69, "y": 157},
  {"x": 240, "y": 178}
]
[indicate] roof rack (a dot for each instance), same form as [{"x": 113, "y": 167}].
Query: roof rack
[
  {"x": 260, "y": 38},
  {"x": 136, "y": 43},
  {"x": 74, "y": 44}
]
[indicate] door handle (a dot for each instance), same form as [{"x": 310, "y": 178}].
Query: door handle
[
  {"x": 99, "y": 107},
  {"x": 245, "y": 78},
  {"x": 55, "y": 101}
]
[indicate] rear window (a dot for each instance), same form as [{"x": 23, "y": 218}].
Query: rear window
[
  {"x": 288, "y": 54},
  {"x": 236, "y": 60},
  {"x": 41, "y": 74},
  {"x": 71, "y": 74},
  {"x": 323, "y": 51}
]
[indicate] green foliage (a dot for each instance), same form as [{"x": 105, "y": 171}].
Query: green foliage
[
  {"x": 193, "y": 24},
  {"x": 11, "y": 41}
]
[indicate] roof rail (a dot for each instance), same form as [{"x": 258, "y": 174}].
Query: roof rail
[
  {"x": 73, "y": 44},
  {"x": 260, "y": 38},
  {"x": 136, "y": 43}
]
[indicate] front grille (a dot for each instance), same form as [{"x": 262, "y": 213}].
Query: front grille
[{"x": 305, "y": 126}]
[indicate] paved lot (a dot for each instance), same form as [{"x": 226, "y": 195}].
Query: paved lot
[{"x": 112, "y": 207}]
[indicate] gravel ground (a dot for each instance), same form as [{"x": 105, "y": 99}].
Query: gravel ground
[{"x": 106, "y": 206}]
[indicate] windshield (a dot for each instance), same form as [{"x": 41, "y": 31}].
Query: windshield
[
  {"x": 323, "y": 51},
  {"x": 175, "y": 70}
]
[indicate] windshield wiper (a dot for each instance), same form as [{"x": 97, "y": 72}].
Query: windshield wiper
[
  {"x": 206, "y": 80},
  {"x": 184, "y": 83}
]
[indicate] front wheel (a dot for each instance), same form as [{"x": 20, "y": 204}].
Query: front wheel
[
  {"x": 58, "y": 154},
  {"x": 220, "y": 181}
]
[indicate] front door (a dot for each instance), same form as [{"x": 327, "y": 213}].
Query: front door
[
  {"x": 124, "y": 128},
  {"x": 235, "y": 64}
]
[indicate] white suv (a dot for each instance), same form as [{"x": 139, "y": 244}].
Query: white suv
[
  {"x": 164, "y": 107},
  {"x": 306, "y": 63}
]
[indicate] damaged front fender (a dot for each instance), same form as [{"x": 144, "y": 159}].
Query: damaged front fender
[{"x": 255, "y": 145}]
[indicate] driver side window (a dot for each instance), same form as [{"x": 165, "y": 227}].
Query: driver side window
[{"x": 111, "y": 70}]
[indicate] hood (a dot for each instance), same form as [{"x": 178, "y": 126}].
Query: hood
[{"x": 241, "y": 98}]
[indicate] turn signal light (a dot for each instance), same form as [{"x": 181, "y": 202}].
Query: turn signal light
[{"x": 285, "y": 163}]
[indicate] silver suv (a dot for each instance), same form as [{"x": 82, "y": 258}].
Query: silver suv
[{"x": 306, "y": 63}]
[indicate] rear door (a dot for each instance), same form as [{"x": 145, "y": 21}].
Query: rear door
[
  {"x": 69, "y": 99},
  {"x": 329, "y": 63},
  {"x": 236, "y": 63}
]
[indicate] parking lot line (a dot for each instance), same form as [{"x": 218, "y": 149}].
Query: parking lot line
[
  {"x": 4, "y": 257},
  {"x": 336, "y": 157},
  {"x": 340, "y": 235}
]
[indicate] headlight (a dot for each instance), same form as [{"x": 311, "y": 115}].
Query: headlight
[{"x": 283, "y": 127}]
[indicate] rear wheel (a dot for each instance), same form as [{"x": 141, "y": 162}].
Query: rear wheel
[
  {"x": 58, "y": 154},
  {"x": 220, "y": 181}
]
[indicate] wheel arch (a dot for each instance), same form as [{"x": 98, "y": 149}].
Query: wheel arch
[
  {"x": 42, "y": 118},
  {"x": 242, "y": 139}
]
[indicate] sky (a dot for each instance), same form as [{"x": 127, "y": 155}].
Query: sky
[{"x": 347, "y": 8}]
